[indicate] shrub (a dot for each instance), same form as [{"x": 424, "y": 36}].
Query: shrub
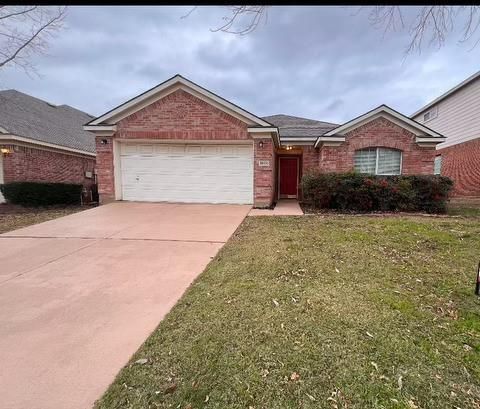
[
  {"x": 41, "y": 194},
  {"x": 357, "y": 192}
]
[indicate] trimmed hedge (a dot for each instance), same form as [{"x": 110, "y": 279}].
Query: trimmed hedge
[
  {"x": 364, "y": 193},
  {"x": 41, "y": 194}
]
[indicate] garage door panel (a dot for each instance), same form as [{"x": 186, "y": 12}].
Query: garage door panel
[{"x": 187, "y": 173}]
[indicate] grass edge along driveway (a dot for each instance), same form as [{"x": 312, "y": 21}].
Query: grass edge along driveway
[{"x": 315, "y": 312}]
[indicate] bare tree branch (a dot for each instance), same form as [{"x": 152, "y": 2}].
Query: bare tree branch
[
  {"x": 252, "y": 14},
  {"x": 190, "y": 12},
  {"x": 432, "y": 23},
  {"x": 17, "y": 13},
  {"x": 26, "y": 31}
]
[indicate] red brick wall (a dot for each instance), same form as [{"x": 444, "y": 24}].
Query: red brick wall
[
  {"x": 310, "y": 159},
  {"x": 377, "y": 133},
  {"x": 182, "y": 116},
  {"x": 264, "y": 176},
  {"x": 38, "y": 165},
  {"x": 461, "y": 162},
  {"x": 105, "y": 175}
]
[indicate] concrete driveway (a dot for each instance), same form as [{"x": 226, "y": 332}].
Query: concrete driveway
[{"x": 79, "y": 294}]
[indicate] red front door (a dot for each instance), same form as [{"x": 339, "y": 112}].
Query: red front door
[{"x": 288, "y": 177}]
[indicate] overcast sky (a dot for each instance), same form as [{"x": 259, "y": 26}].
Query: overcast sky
[{"x": 325, "y": 63}]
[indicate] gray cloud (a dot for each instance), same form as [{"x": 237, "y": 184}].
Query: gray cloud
[{"x": 325, "y": 63}]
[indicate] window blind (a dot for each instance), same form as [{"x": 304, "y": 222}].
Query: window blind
[
  {"x": 365, "y": 161},
  {"x": 378, "y": 161},
  {"x": 389, "y": 162}
]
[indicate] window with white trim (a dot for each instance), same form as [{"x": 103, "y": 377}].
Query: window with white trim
[
  {"x": 431, "y": 114},
  {"x": 437, "y": 167},
  {"x": 378, "y": 161}
]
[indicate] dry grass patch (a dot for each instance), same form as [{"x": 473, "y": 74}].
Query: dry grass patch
[
  {"x": 14, "y": 217},
  {"x": 313, "y": 312}
]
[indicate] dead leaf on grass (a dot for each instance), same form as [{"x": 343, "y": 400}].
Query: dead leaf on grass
[
  {"x": 312, "y": 398},
  {"x": 276, "y": 302},
  {"x": 141, "y": 361},
  {"x": 411, "y": 404},
  {"x": 400, "y": 382},
  {"x": 170, "y": 388}
]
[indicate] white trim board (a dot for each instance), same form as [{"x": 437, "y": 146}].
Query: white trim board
[
  {"x": 167, "y": 87},
  {"x": 6, "y": 139},
  {"x": 187, "y": 141}
]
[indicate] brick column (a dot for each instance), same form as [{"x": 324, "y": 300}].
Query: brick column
[
  {"x": 264, "y": 172},
  {"x": 105, "y": 172}
]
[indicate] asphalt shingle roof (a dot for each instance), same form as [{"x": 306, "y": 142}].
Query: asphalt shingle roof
[
  {"x": 294, "y": 126},
  {"x": 30, "y": 117}
]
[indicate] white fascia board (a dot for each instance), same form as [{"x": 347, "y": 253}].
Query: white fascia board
[
  {"x": 420, "y": 139},
  {"x": 429, "y": 142},
  {"x": 301, "y": 138},
  {"x": 256, "y": 133},
  {"x": 295, "y": 143},
  {"x": 329, "y": 139},
  {"x": 21, "y": 139},
  {"x": 150, "y": 96},
  {"x": 408, "y": 123},
  {"x": 93, "y": 128},
  {"x": 254, "y": 129}
]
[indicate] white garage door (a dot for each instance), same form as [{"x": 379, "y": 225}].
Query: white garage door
[{"x": 189, "y": 173}]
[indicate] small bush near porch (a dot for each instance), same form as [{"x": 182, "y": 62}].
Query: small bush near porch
[{"x": 356, "y": 192}]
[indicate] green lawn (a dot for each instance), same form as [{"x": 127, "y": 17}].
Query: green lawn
[{"x": 321, "y": 312}]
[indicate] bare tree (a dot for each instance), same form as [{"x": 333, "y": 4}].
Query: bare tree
[
  {"x": 431, "y": 23},
  {"x": 247, "y": 16},
  {"x": 26, "y": 31}
]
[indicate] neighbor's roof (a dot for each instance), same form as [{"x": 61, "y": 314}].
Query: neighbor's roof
[
  {"x": 294, "y": 126},
  {"x": 30, "y": 117},
  {"x": 446, "y": 94}
]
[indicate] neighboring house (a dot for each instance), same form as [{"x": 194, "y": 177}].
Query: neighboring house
[
  {"x": 42, "y": 142},
  {"x": 456, "y": 114},
  {"x": 180, "y": 142}
]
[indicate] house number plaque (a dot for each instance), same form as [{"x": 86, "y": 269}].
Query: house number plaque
[{"x": 264, "y": 163}]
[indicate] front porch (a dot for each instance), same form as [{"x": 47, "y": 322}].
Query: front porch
[{"x": 284, "y": 207}]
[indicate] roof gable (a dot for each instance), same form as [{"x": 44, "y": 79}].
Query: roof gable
[
  {"x": 165, "y": 88},
  {"x": 390, "y": 114}
]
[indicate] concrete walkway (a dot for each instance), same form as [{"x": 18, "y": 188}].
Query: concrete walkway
[
  {"x": 79, "y": 294},
  {"x": 286, "y": 207}
]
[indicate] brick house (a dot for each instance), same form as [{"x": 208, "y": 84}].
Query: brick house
[
  {"x": 180, "y": 142},
  {"x": 42, "y": 142},
  {"x": 456, "y": 114}
]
